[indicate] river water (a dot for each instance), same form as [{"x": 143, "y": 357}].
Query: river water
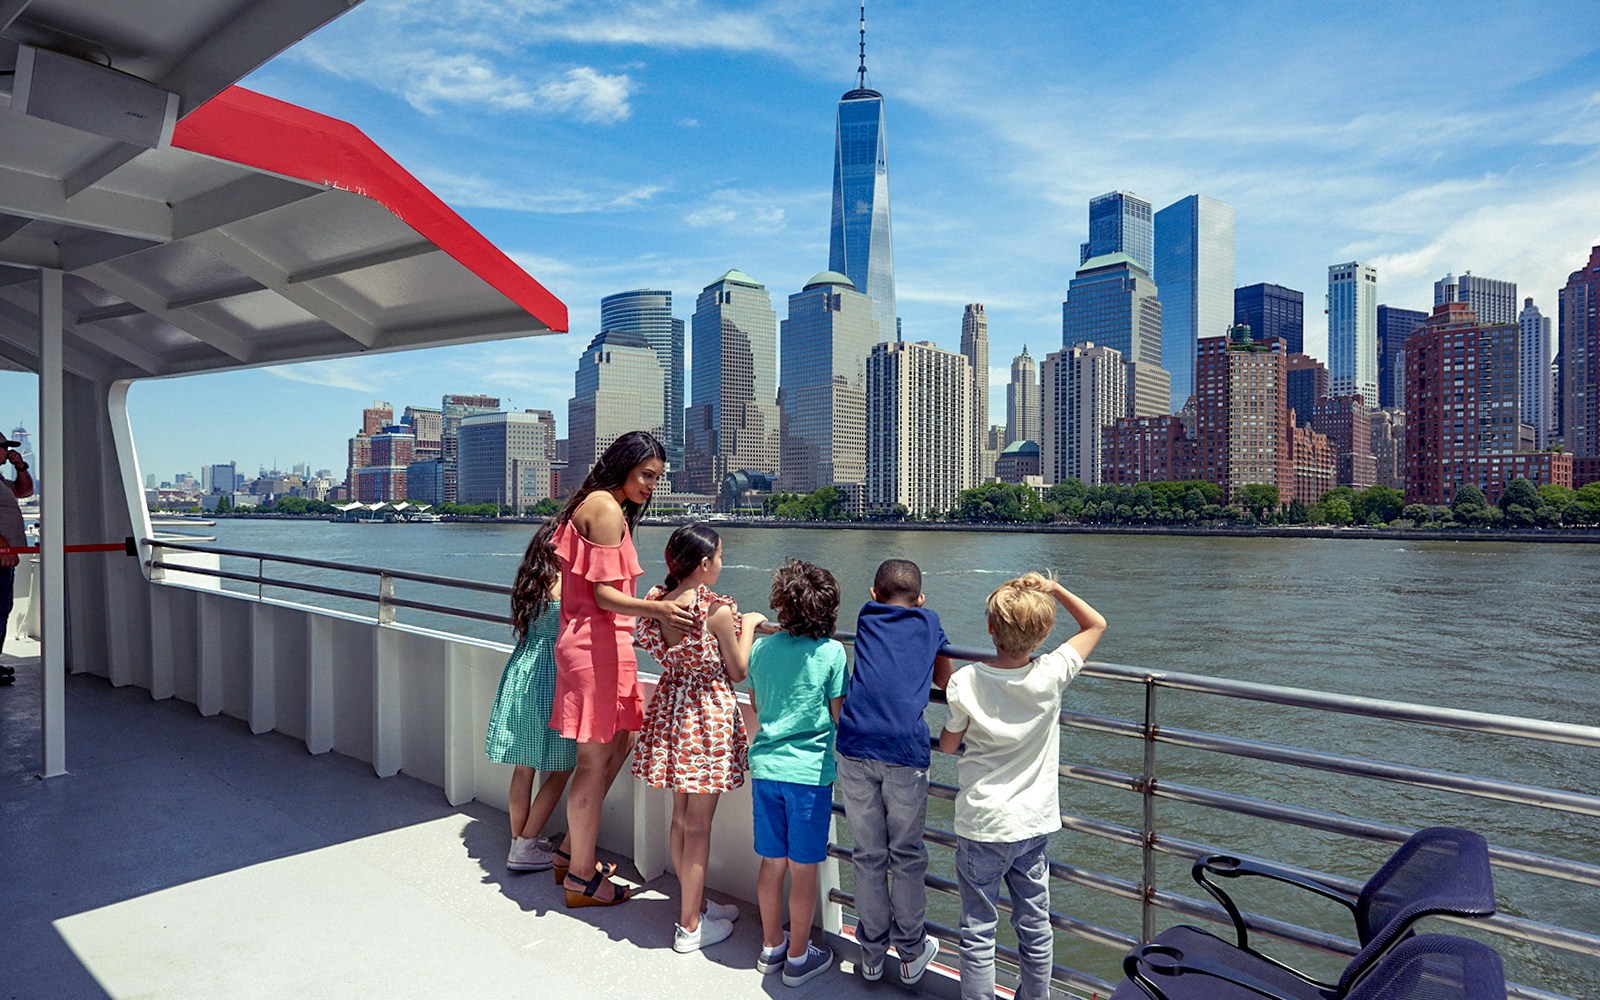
[{"x": 1500, "y": 627}]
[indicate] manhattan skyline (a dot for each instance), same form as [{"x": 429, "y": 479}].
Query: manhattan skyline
[{"x": 611, "y": 148}]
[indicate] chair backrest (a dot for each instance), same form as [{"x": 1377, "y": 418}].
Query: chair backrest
[
  {"x": 1440, "y": 870},
  {"x": 1434, "y": 967}
]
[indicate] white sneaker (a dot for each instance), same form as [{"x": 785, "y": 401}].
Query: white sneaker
[
  {"x": 529, "y": 854},
  {"x": 771, "y": 959},
  {"x": 871, "y": 973},
  {"x": 710, "y": 931},
  {"x": 720, "y": 911},
  {"x": 911, "y": 971}
]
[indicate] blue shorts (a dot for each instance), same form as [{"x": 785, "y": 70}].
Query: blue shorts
[{"x": 791, "y": 820}]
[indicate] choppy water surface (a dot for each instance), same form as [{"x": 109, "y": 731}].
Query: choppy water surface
[{"x": 1510, "y": 628}]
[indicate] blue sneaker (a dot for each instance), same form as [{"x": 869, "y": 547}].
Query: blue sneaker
[
  {"x": 809, "y": 966},
  {"x": 771, "y": 959}
]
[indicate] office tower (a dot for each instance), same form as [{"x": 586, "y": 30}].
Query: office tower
[
  {"x": 218, "y": 478},
  {"x": 919, "y": 419},
  {"x": 1462, "y": 423},
  {"x": 383, "y": 479},
  {"x": 1112, "y": 302},
  {"x": 618, "y": 388},
  {"x": 1580, "y": 362},
  {"x": 358, "y": 455},
  {"x": 504, "y": 458},
  {"x": 648, "y": 312},
  {"x": 1533, "y": 375},
  {"x": 1494, "y": 301},
  {"x": 427, "y": 423},
  {"x": 1353, "y": 330},
  {"x": 975, "y": 348},
  {"x": 1242, "y": 422},
  {"x": 1307, "y": 380},
  {"x": 425, "y": 481},
  {"x": 822, "y": 395},
  {"x": 453, "y": 410},
  {"x": 1085, "y": 392},
  {"x": 1022, "y": 399},
  {"x": 1346, "y": 421},
  {"x": 859, "y": 243},
  {"x": 1018, "y": 461},
  {"x": 994, "y": 441},
  {"x": 376, "y": 417},
  {"x": 1120, "y": 222},
  {"x": 1389, "y": 448},
  {"x": 1394, "y": 326},
  {"x": 1272, "y": 312},
  {"x": 732, "y": 422},
  {"x": 1194, "y": 273}
]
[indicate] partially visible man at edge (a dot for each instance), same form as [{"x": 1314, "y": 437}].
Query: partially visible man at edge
[{"x": 12, "y": 536}]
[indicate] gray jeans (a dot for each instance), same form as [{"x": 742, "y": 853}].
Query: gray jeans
[
  {"x": 980, "y": 867},
  {"x": 887, "y": 806}
]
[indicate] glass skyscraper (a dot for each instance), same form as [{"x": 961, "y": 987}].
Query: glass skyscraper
[
  {"x": 1271, "y": 312},
  {"x": 822, "y": 397},
  {"x": 859, "y": 245},
  {"x": 1113, "y": 303},
  {"x": 648, "y": 312},
  {"x": 1194, "y": 273},
  {"x": 1120, "y": 222},
  {"x": 732, "y": 421},
  {"x": 1353, "y": 331},
  {"x": 1394, "y": 326}
]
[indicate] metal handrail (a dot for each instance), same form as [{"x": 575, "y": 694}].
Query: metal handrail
[{"x": 1148, "y": 784}]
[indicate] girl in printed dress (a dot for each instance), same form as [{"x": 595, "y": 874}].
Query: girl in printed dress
[
  {"x": 693, "y": 741},
  {"x": 519, "y": 724},
  {"x": 597, "y": 699}
]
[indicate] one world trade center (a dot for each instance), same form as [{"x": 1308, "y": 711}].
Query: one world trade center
[{"x": 859, "y": 245}]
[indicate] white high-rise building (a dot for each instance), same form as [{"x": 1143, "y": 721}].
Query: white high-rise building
[
  {"x": 1353, "y": 331},
  {"x": 1533, "y": 373},
  {"x": 1194, "y": 275},
  {"x": 1085, "y": 391},
  {"x": 1493, "y": 300},
  {"x": 732, "y": 421},
  {"x": 975, "y": 347},
  {"x": 1022, "y": 399},
  {"x": 822, "y": 389},
  {"x": 919, "y": 427},
  {"x": 618, "y": 388}
]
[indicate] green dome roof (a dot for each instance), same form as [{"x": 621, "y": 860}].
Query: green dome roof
[
  {"x": 830, "y": 278},
  {"x": 737, "y": 277},
  {"x": 1026, "y": 446}
]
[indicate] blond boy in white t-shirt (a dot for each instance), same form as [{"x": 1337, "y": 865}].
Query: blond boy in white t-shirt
[{"x": 1006, "y": 713}]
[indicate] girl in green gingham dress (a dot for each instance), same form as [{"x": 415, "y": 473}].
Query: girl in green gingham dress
[{"x": 519, "y": 724}]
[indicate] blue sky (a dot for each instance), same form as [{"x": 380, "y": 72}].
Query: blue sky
[{"x": 608, "y": 146}]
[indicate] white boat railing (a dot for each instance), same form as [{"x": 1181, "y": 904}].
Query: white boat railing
[{"x": 397, "y": 691}]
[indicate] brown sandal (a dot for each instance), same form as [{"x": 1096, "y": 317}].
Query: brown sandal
[
  {"x": 564, "y": 861},
  {"x": 586, "y": 897}
]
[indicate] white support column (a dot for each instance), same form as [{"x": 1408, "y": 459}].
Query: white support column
[
  {"x": 319, "y": 685},
  {"x": 652, "y": 824},
  {"x": 461, "y": 743},
  {"x": 263, "y": 671},
  {"x": 208, "y": 675},
  {"x": 52, "y": 532},
  {"x": 386, "y": 703}
]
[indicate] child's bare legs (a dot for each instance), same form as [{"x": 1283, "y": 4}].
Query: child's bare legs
[
  {"x": 536, "y": 816},
  {"x": 769, "y": 896},
  {"x": 802, "y": 907},
  {"x": 691, "y": 849},
  {"x": 598, "y": 764}
]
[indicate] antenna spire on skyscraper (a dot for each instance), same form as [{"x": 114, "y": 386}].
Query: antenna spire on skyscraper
[{"x": 861, "y": 73}]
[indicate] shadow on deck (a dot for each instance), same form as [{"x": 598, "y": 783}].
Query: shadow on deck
[{"x": 184, "y": 856}]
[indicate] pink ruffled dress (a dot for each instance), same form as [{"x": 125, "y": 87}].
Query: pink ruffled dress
[{"x": 597, "y": 677}]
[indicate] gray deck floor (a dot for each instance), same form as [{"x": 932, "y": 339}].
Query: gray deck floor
[{"x": 185, "y": 857}]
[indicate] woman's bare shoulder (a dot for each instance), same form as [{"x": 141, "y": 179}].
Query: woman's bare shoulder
[{"x": 599, "y": 518}]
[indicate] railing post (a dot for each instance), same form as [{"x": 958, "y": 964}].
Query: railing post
[
  {"x": 385, "y": 595},
  {"x": 1147, "y": 887},
  {"x": 259, "y": 564}
]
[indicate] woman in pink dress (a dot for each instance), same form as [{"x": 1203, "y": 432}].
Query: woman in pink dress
[{"x": 597, "y": 698}]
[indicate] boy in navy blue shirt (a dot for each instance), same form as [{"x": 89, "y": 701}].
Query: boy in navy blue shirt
[{"x": 882, "y": 774}]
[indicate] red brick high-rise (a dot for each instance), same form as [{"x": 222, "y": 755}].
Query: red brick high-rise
[
  {"x": 1347, "y": 423},
  {"x": 1580, "y": 359},
  {"x": 1462, "y": 422}
]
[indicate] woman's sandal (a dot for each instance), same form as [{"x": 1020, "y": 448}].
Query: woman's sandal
[
  {"x": 586, "y": 897},
  {"x": 564, "y": 861}
]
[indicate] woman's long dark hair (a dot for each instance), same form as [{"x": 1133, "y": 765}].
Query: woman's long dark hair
[
  {"x": 685, "y": 549},
  {"x": 530, "y": 594},
  {"x": 611, "y": 471}
]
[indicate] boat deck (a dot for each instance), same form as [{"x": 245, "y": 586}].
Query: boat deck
[{"x": 185, "y": 857}]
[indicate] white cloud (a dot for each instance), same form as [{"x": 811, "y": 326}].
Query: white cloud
[
  {"x": 751, "y": 211},
  {"x": 476, "y": 191},
  {"x": 354, "y": 374}
]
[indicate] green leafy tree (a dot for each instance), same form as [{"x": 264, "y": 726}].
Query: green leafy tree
[
  {"x": 224, "y": 504},
  {"x": 1296, "y": 513},
  {"x": 1378, "y": 505},
  {"x": 1470, "y": 507},
  {"x": 1520, "y": 493},
  {"x": 1259, "y": 499},
  {"x": 1417, "y": 513},
  {"x": 1337, "y": 510},
  {"x": 1345, "y": 493}
]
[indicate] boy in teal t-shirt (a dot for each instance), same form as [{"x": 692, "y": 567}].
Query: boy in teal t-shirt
[{"x": 797, "y": 682}]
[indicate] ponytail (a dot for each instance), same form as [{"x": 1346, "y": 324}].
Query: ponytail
[{"x": 687, "y": 547}]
